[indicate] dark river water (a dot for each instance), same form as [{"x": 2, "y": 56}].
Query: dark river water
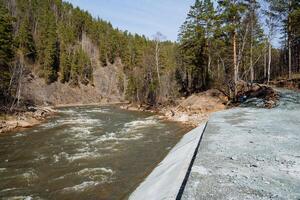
[{"x": 84, "y": 153}]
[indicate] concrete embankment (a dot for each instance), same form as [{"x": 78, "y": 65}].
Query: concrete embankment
[
  {"x": 167, "y": 179},
  {"x": 245, "y": 153},
  {"x": 249, "y": 153}
]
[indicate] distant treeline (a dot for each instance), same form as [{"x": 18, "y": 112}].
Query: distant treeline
[{"x": 217, "y": 46}]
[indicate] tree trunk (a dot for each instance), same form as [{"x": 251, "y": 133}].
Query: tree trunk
[
  {"x": 157, "y": 62},
  {"x": 290, "y": 58},
  {"x": 270, "y": 60},
  {"x": 265, "y": 65},
  {"x": 251, "y": 55},
  {"x": 290, "y": 41},
  {"x": 218, "y": 72},
  {"x": 235, "y": 62},
  {"x": 209, "y": 64}
]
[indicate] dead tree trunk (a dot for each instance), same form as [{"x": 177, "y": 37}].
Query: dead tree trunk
[
  {"x": 265, "y": 65},
  {"x": 270, "y": 60},
  {"x": 290, "y": 41},
  {"x": 157, "y": 50},
  {"x": 235, "y": 62}
]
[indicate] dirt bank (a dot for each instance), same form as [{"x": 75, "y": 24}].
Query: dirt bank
[
  {"x": 192, "y": 110},
  {"x": 197, "y": 108},
  {"x": 25, "y": 119},
  {"x": 247, "y": 91},
  {"x": 104, "y": 89},
  {"x": 293, "y": 84}
]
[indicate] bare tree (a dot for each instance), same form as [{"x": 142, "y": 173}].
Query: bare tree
[
  {"x": 158, "y": 37},
  {"x": 16, "y": 80},
  {"x": 290, "y": 40},
  {"x": 235, "y": 62},
  {"x": 271, "y": 26}
]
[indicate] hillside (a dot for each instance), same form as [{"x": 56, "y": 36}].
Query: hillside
[{"x": 58, "y": 54}]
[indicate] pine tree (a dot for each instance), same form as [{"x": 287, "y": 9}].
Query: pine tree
[
  {"x": 25, "y": 40},
  {"x": 231, "y": 13},
  {"x": 284, "y": 11},
  {"x": 195, "y": 40},
  {"x": 65, "y": 66},
  {"x": 48, "y": 46},
  {"x": 6, "y": 48}
]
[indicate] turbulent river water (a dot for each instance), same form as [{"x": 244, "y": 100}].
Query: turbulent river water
[{"x": 84, "y": 153}]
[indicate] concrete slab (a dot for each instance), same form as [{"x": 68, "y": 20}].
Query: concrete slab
[
  {"x": 166, "y": 179},
  {"x": 249, "y": 153}
]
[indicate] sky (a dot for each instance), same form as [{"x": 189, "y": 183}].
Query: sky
[{"x": 145, "y": 17}]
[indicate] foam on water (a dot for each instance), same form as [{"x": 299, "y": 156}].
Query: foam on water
[
  {"x": 77, "y": 156},
  {"x": 3, "y": 170},
  {"x": 140, "y": 123},
  {"x": 81, "y": 187},
  {"x": 67, "y": 111},
  {"x": 81, "y": 132},
  {"x": 79, "y": 121},
  {"x": 97, "y": 174},
  {"x": 98, "y": 110},
  {"x": 136, "y": 125},
  {"x": 40, "y": 157},
  {"x": 117, "y": 137},
  {"x": 21, "y": 198},
  {"x": 18, "y": 135},
  {"x": 7, "y": 190},
  {"x": 95, "y": 170},
  {"x": 130, "y": 131},
  {"x": 49, "y": 125}
]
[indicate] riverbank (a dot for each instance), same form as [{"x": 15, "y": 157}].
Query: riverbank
[
  {"x": 26, "y": 119},
  {"x": 193, "y": 110},
  {"x": 196, "y": 109},
  {"x": 285, "y": 82},
  {"x": 37, "y": 115}
]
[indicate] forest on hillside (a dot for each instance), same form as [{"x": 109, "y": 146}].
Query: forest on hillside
[{"x": 220, "y": 43}]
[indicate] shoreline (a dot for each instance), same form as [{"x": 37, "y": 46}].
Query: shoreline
[
  {"x": 191, "y": 111},
  {"x": 27, "y": 119},
  {"x": 171, "y": 113},
  {"x": 38, "y": 115},
  {"x": 87, "y": 104}
]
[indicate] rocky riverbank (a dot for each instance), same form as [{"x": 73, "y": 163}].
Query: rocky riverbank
[
  {"x": 193, "y": 110},
  {"x": 268, "y": 96},
  {"x": 293, "y": 84},
  {"x": 25, "y": 119},
  {"x": 197, "y": 108}
]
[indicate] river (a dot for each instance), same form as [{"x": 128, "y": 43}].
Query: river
[{"x": 84, "y": 153}]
